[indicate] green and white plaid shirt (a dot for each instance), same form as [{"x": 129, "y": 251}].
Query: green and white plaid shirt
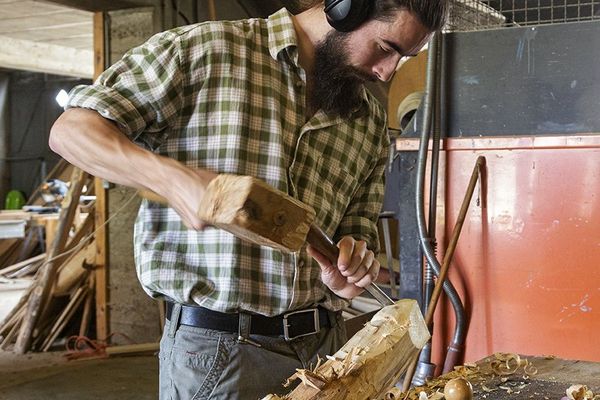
[{"x": 230, "y": 97}]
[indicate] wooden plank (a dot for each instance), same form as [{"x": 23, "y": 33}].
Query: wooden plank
[
  {"x": 73, "y": 269},
  {"x": 24, "y": 263},
  {"x": 12, "y": 215},
  {"x": 87, "y": 307},
  {"x": 132, "y": 349},
  {"x": 101, "y": 209},
  {"x": 50, "y": 227},
  {"x": 65, "y": 316},
  {"x": 46, "y": 58}
]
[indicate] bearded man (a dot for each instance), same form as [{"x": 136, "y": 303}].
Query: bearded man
[{"x": 281, "y": 99}]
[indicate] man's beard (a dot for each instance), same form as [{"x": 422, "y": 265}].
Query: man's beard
[{"x": 337, "y": 86}]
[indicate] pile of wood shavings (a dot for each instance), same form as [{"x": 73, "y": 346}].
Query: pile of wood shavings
[
  {"x": 502, "y": 371},
  {"x": 580, "y": 392}
]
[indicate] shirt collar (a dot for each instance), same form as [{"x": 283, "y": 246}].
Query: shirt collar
[{"x": 282, "y": 35}]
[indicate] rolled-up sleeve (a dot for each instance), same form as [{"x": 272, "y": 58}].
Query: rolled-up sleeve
[{"x": 142, "y": 93}]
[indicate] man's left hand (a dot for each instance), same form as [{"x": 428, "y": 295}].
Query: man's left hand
[{"x": 356, "y": 268}]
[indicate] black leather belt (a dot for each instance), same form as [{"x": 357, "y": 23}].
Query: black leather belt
[{"x": 290, "y": 325}]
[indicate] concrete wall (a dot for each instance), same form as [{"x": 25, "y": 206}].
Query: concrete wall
[
  {"x": 32, "y": 111},
  {"x": 131, "y": 311}
]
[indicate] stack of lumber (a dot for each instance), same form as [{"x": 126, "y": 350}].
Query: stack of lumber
[{"x": 61, "y": 290}]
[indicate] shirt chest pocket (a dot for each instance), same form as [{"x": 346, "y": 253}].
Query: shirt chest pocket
[{"x": 338, "y": 184}]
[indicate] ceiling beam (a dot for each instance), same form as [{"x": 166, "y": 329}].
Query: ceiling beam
[
  {"x": 47, "y": 58},
  {"x": 104, "y": 5}
]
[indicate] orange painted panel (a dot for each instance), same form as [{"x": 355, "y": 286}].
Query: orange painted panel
[{"x": 528, "y": 264}]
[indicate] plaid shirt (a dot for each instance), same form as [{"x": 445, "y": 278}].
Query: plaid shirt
[{"x": 230, "y": 97}]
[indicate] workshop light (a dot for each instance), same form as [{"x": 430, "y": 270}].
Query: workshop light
[{"x": 62, "y": 97}]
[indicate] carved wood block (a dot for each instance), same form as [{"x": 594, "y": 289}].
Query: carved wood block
[{"x": 253, "y": 210}]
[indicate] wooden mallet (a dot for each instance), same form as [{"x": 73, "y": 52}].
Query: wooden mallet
[{"x": 255, "y": 211}]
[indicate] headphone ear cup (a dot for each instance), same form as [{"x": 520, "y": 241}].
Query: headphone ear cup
[{"x": 347, "y": 15}]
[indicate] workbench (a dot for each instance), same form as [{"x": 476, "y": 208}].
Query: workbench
[{"x": 550, "y": 382}]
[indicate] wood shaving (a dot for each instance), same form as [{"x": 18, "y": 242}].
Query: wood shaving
[
  {"x": 308, "y": 378},
  {"x": 503, "y": 366},
  {"x": 579, "y": 392}
]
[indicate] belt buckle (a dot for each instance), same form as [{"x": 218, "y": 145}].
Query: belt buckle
[{"x": 317, "y": 324}]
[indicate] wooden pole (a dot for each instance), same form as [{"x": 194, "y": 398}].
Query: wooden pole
[
  {"x": 42, "y": 286},
  {"x": 212, "y": 10},
  {"x": 87, "y": 308},
  {"x": 101, "y": 208},
  {"x": 437, "y": 291}
]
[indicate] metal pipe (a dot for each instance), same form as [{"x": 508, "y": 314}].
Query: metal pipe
[
  {"x": 422, "y": 367},
  {"x": 477, "y": 172},
  {"x": 432, "y": 68}
]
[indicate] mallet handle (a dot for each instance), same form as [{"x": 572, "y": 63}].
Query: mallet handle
[{"x": 324, "y": 245}]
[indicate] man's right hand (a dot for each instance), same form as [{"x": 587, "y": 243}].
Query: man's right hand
[{"x": 185, "y": 193}]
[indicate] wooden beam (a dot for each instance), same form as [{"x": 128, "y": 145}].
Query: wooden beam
[
  {"x": 43, "y": 57},
  {"x": 101, "y": 208},
  {"x": 104, "y": 5},
  {"x": 212, "y": 10}
]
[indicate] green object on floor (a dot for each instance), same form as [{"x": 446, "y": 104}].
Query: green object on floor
[{"x": 14, "y": 200}]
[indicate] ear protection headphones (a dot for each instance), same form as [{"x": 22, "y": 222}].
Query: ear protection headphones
[{"x": 347, "y": 15}]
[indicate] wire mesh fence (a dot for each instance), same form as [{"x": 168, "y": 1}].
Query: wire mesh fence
[{"x": 469, "y": 15}]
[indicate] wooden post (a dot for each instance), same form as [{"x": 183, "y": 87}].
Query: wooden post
[
  {"x": 212, "y": 10},
  {"x": 43, "y": 284},
  {"x": 101, "y": 209}
]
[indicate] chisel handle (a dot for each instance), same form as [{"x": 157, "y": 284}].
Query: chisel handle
[{"x": 324, "y": 245}]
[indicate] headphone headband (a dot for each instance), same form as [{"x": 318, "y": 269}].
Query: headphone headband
[{"x": 347, "y": 15}]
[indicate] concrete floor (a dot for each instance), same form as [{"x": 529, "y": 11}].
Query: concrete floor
[{"x": 50, "y": 376}]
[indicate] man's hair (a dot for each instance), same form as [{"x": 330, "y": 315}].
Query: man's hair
[{"x": 431, "y": 13}]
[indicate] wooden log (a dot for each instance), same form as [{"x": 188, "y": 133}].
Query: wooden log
[{"x": 371, "y": 362}]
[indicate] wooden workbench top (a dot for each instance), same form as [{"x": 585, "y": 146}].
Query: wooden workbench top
[{"x": 547, "y": 378}]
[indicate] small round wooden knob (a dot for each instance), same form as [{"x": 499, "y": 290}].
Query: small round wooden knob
[{"x": 458, "y": 389}]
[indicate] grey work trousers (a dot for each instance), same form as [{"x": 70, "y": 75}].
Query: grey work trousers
[{"x": 197, "y": 363}]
